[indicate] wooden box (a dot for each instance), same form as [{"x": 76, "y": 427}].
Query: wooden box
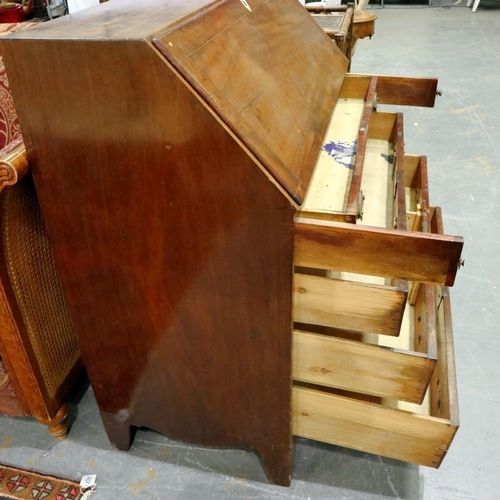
[{"x": 175, "y": 163}]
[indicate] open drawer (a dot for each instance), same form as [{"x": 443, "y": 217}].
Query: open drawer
[
  {"x": 358, "y": 142},
  {"x": 353, "y": 301},
  {"x": 359, "y": 302},
  {"x": 389, "y": 367},
  {"x": 345, "y": 321},
  {"x": 363, "y": 337},
  {"x": 421, "y": 434},
  {"x": 373, "y": 251}
]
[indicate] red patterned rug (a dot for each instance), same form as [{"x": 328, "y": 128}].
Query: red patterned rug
[
  {"x": 19, "y": 484},
  {"x": 9, "y": 126}
]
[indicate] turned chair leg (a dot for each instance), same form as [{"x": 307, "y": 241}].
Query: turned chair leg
[{"x": 58, "y": 426}]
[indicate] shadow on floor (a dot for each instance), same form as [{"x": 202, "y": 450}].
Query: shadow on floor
[{"x": 354, "y": 470}]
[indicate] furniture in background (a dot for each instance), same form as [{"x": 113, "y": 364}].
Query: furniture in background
[
  {"x": 56, "y": 8},
  {"x": 364, "y": 24},
  {"x": 337, "y": 22},
  {"x": 233, "y": 232},
  {"x": 39, "y": 356},
  {"x": 474, "y": 4},
  {"x": 344, "y": 25},
  {"x": 362, "y": 4},
  {"x": 322, "y": 3},
  {"x": 11, "y": 13}
]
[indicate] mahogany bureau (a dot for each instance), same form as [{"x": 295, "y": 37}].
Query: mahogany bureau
[{"x": 241, "y": 238}]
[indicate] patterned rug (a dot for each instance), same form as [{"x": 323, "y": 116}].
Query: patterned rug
[
  {"x": 9, "y": 126},
  {"x": 19, "y": 484}
]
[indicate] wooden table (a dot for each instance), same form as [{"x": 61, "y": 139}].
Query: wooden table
[
  {"x": 337, "y": 22},
  {"x": 345, "y": 25},
  {"x": 364, "y": 24}
]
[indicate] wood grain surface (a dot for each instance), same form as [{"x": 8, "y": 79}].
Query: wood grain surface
[
  {"x": 419, "y": 436},
  {"x": 166, "y": 234},
  {"x": 119, "y": 20},
  {"x": 369, "y": 427},
  {"x": 396, "y": 90},
  {"x": 373, "y": 251},
  {"x": 285, "y": 72},
  {"x": 444, "y": 391},
  {"x": 353, "y": 200},
  {"x": 346, "y": 304},
  {"x": 359, "y": 367}
]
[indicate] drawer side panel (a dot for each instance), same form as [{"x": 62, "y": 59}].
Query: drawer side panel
[
  {"x": 348, "y": 305},
  {"x": 355, "y": 366},
  {"x": 371, "y": 428}
]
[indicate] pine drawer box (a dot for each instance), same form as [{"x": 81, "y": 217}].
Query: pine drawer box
[
  {"x": 182, "y": 179},
  {"x": 415, "y": 433},
  {"x": 351, "y": 305}
]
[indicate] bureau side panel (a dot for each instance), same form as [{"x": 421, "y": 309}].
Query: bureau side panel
[{"x": 174, "y": 248}]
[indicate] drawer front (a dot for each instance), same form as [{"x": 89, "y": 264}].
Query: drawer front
[
  {"x": 422, "y": 435},
  {"x": 359, "y": 249},
  {"x": 393, "y": 90}
]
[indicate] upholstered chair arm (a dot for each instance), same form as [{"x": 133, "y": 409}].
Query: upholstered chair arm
[{"x": 13, "y": 163}]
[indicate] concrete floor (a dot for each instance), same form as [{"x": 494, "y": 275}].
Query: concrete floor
[{"x": 461, "y": 137}]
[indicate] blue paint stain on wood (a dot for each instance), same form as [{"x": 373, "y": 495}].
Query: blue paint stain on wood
[{"x": 342, "y": 152}]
